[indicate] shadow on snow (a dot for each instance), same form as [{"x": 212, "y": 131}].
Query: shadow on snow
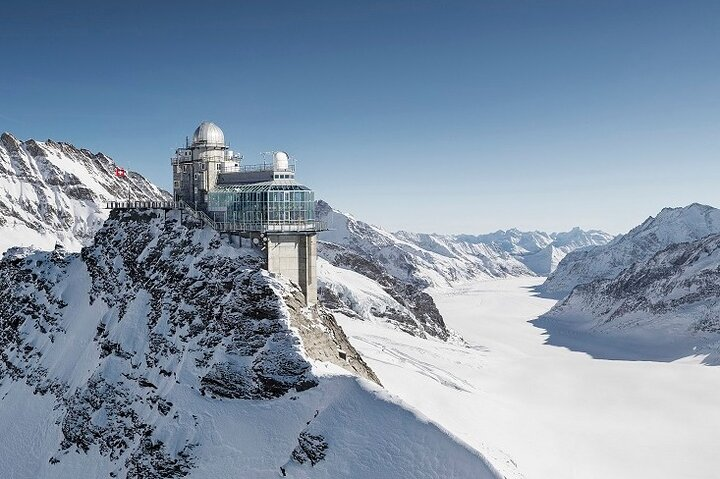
[{"x": 631, "y": 344}]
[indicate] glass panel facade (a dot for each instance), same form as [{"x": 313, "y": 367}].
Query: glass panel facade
[{"x": 264, "y": 207}]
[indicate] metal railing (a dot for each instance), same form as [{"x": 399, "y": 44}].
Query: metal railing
[
  {"x": 200, "y": 215},
  {"x": 254, "y": 168},
  {"x": 299, "y": 227},
  {"x": 224, "y": 226},
  {"x": 133, "y": 205},
  {"x": 188, "y": 160}
]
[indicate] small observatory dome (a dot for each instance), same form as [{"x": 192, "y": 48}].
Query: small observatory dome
[
  {"x": 280, "y": 160},
  {"x": 208, "y": 133}
]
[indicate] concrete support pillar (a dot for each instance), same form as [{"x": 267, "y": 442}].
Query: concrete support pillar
[{"x": 294, "y": 256}]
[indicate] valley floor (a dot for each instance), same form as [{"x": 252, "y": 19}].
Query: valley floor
[{"x": 540, "y": 411}]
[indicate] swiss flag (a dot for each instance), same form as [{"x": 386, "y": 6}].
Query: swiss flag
[{"x": 119, "y": 172}]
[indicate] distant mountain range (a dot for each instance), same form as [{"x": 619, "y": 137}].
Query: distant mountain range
[
  {"x": 540, "y": 252},
  {"x": 373, "y": 273}
]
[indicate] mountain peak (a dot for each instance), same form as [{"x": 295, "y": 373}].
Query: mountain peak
[
  {"x": 55, "y": 192},
  {"x": 9, "y": 141},
  {"x": 691, "y": 208},
  {"x": 669, "y": 226}
]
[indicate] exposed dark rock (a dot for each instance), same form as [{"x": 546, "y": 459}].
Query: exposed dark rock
[
  {"x": 423, "y": 318},
  {"x": 310, "y": 449},
  {"x": 198, "y": 298}
]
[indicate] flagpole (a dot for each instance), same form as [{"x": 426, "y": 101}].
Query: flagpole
[{"x": 122, "y": 173}]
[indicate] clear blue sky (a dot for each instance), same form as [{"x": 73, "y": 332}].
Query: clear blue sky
[{"x": 428, "y": 116}]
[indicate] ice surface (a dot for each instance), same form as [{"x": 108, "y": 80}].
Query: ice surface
[{"x": 545, "y": 411}]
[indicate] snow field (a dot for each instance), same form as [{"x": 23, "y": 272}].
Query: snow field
[{"x": 552, "y": 412}]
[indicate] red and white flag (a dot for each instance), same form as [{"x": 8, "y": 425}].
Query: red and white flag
[{"x": 119, "y": 172}]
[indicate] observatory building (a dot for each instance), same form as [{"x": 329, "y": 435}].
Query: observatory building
[{"x": 261, "y": 202}]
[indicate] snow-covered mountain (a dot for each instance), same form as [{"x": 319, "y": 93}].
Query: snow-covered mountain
[
  {"x": 670, "y": 226},
  {"x": 54, "y": 193},
  {"x": 371, "y": 273},
  {"x": 540, "y": 252},
  {"x": 161, "y": 350},
  {"x": 417, "y": 258},
  {"x": 671, "y": 296}
]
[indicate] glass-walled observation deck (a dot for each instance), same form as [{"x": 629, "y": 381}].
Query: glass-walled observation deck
[{"x": 264, "y": 207}]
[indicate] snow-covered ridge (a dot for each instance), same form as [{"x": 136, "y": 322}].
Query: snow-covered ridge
[
  {"x": 375, "y": 274},
  {"x": 540, "y": 252},
  {"x": 672, "y": 296},
  {"x": 53, "y": 192},
  {"x": 162, "y": 351},
  {"x": 670, "y": 226}
]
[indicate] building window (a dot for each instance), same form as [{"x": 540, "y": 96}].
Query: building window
[
  {"x": 177, "y": 184},
  {"x": 185, "y": 168},
  {"x": 196, "y": 176},
  {"x": 202, "y": 166}
]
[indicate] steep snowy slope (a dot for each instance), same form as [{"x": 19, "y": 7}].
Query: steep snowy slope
[
  {"x": 54, "y": 193},
  {"x": 162, "y": 351},
  {"x": 670, "y": 226},
  {"x": 673, "y": 295},
  {"x": 402, "y": 271}
]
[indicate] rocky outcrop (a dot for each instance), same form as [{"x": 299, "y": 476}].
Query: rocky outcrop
[
  {"x": 322, "y": 338},
  {"x": 310, "y": 449},
  {"x": 164, "y": 303},
  {"x": 162, "y": 351}
]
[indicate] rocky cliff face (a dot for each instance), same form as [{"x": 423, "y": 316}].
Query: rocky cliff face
[
  {"x": 389, "y": 280},
  {"x": 162, "y": 351},
  {"x": 670, "y": 226},
  {"x": 55, "y": 193}
]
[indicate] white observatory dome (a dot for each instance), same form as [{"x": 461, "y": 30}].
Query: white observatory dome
[
  {"x": 281, "y": 160},
  {"x": 208, "y": 133}
]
